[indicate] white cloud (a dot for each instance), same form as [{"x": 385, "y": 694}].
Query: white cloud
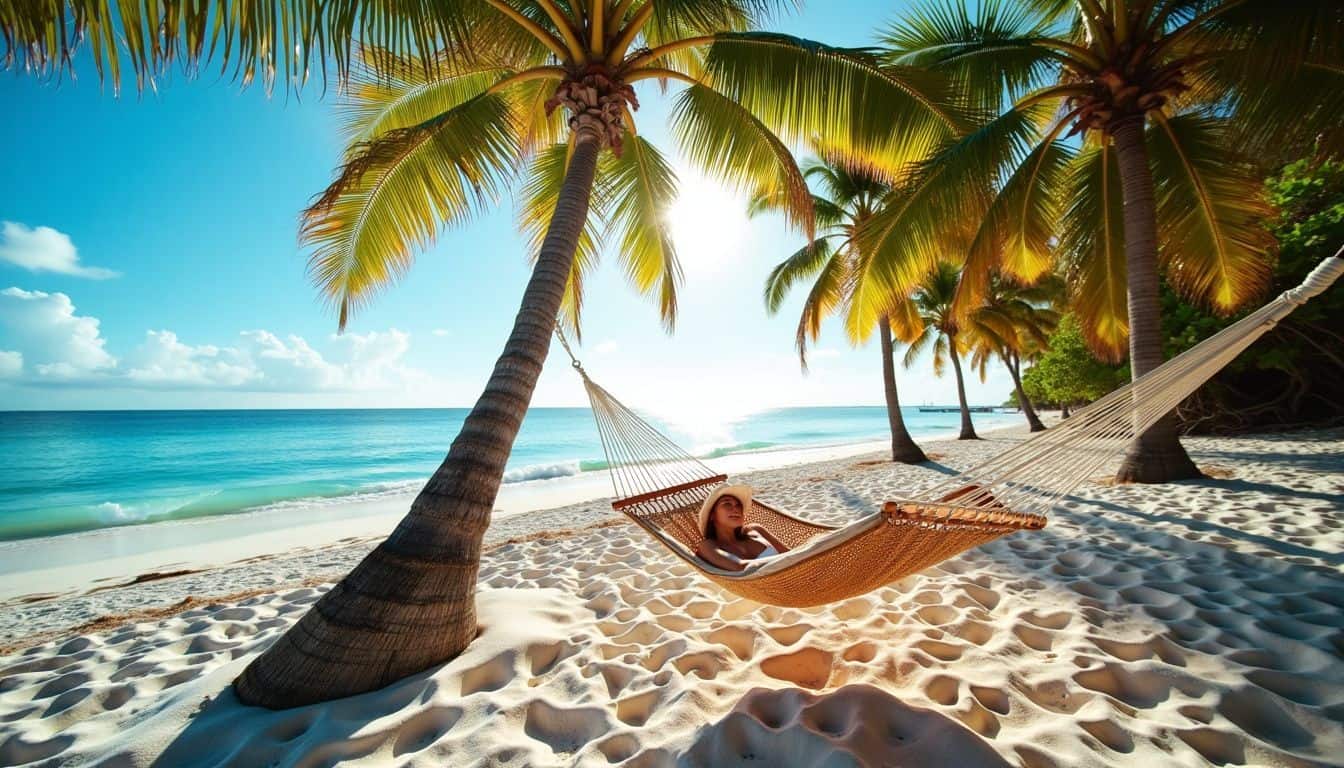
[
  {"x": 289, "y": 365},
  {"x": 44, "y": 249},
  {"x": 162, "y": 360},
  {"x": 373, "y": 360},
  {"x": 51, "y": 338},
  {"x": 56, "y": 345},
  {"x": 11, "y": 364}
]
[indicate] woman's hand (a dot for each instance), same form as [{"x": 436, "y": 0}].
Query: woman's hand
[{"x": 753, "y": 528}]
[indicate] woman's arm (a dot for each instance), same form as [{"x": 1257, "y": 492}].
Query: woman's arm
[
  {"x": 779, "y": 546},
  {"x": 717, "y": 557}
]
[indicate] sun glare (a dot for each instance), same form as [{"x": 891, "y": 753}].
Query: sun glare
[{"x": 708, "y": 224}]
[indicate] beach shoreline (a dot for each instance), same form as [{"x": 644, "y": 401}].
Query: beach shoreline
[
  {"x": 40, "y": 568},
  {"x": 1184, "y": 624}
]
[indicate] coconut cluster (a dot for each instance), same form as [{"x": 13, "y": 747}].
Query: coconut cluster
[{"x": 597, "y": 100}]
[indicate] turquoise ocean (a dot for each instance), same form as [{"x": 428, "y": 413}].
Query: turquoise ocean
[{"x": 64, "y": 472}]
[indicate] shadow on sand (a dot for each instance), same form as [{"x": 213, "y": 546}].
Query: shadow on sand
[{"x": 856, "y": 725}]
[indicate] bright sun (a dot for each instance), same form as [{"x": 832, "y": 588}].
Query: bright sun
[{"x": 708, "y": 224}]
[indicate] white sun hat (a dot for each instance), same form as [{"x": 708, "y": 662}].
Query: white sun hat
[{"x": 741, "y": 492}]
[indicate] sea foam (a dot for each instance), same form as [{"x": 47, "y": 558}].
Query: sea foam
[{"x": 543, "y": 471}]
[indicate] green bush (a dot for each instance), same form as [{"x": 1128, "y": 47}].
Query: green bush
[{"x": 1292, "y": 376}]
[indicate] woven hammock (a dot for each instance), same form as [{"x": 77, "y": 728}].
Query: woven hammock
[{"x": 660, "y": 486}]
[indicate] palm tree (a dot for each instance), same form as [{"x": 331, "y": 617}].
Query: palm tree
[
  {"x": 934, "y": 302},
  {"x": 460, "y": 95},
  {"x": 833, "y": 263},
  {"x": 1171, "y": 97},
  {"x": 1014, "y": 323},
  {"x": 413, "y": 174}
]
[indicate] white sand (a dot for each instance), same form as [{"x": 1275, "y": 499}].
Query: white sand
[{"x": 1186, "y": 624}]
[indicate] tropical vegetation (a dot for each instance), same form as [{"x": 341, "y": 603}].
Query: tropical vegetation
[
  {"x": 1013, "y": 324},
  {"x": 1167, "y": 100},
  {"x": 1067, "y": 374},
  {"x": 1291, "y": 377},
  {"x": 940, "y": 333},
  {"x": 831, "y": 262}
]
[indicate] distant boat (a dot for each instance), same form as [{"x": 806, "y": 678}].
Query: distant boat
[{"x": 955, "y": 409}]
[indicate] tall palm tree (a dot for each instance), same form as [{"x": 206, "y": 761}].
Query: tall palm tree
[
  {"x": 1013, "y": 323},
  {"x": 934, "y": 302},
  {"x": 834, "y": 264},
  {"x": 471, "y": 90},
  {"x": 1170, "y": 96}
]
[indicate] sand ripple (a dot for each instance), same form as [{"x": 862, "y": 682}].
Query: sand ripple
[{"x": 1188, "y": 625}]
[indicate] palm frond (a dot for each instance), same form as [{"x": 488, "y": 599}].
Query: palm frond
[
  {"x": 995, "y": 326},
  {"x": 906, "y": 323},
  {"x": 941, "y": 349},
  {"x": 727, "y": 142},
  {"x": 828, "y": 215},
  {"x": 1278, "y": 118},
  {"x": 397, "y": 192},
  {"x": 276, "y": 41},
  {"x": 674, "y": 20},
  {"x": 847, "y": 187},
  {"x": 1092, "y": 246},
  {"x": 918, "y": 344},
  {"x": 1269, "y": 40},
  {"x": 376, "y": 102},
  {"x": 642, "y": 187},
  {"x": 538, "y": 127},
  {"x": 1212, "y": 211},
  {"x": 934, "y": 215},
  {"x": 827, "y": 293},
  {"x": 995, "y": 51},
  {"x": 884, "y": 116},
  {"x": 1016, "y": 232},
  {"x": 803, "y": 264}
]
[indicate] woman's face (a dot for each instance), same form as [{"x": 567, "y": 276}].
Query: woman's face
[{"x": 728, "y": 512}]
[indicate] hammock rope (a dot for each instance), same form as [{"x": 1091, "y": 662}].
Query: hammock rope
[{"x": 660, "y": 486}]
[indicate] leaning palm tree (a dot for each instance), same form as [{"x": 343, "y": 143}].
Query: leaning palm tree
[
  {"x": 934, "y": 301},
  {"x": 834, "y": 264},
  {"x": 410, "y": 604},
  {"x": 1170, "y": 97},
  {"x": 476, "y": 90},
  {"x": 1014, "y": 323}
]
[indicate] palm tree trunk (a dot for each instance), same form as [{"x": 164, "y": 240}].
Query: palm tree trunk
[
  {"x": 903, "y": 447},
  {"x": 411, "y": 603},
  {"x": 1014, "y": 366},
  {"x": 1156, "y": 456},
  {"x": 967, "y": 428}
]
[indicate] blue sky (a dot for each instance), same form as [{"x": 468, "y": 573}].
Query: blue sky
[{"x": 148, "y": 259}]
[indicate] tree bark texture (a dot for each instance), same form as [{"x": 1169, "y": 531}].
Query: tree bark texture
[
  {"x": 1014, "y": 366},
  {"x": 411, "y": 603},
  {"x": 967, "y": 428},
  {"x": 903, "y": 447},
  {"x": 1156, "y": 456}
]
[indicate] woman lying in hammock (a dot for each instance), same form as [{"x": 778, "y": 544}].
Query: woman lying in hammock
[{"x": 730, "y": 541}]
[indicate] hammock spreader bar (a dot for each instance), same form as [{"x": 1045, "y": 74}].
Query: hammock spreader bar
[{"x": 660, "y": 486}]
